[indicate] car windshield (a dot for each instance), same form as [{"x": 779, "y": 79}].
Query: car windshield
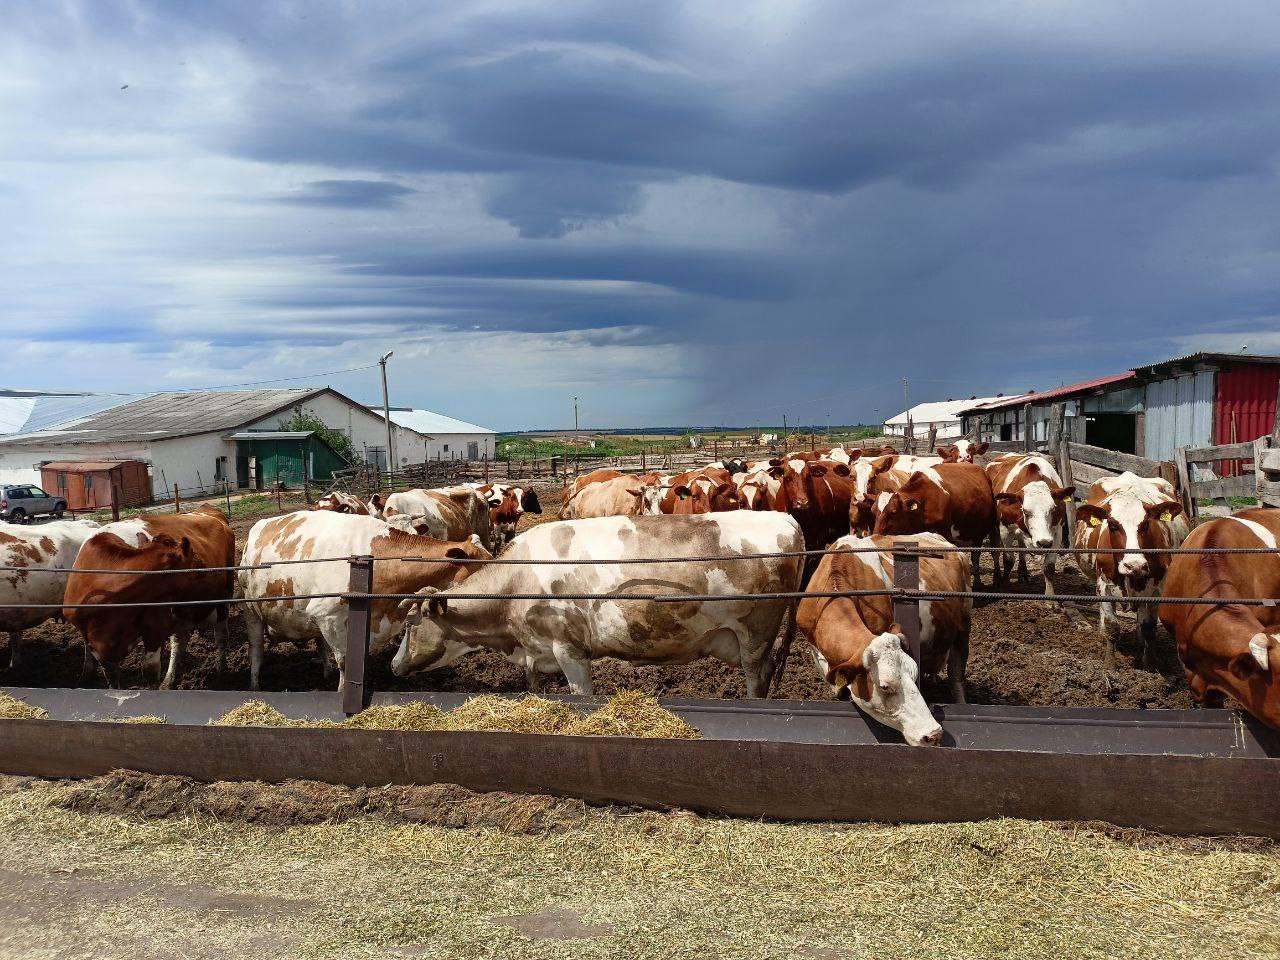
[{"x": 36, "y": 492}]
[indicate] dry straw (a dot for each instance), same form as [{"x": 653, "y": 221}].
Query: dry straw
[
  {"x": 11, "y": 708},
  {"x": 627, "y": 714}
]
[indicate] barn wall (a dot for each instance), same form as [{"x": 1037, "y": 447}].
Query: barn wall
[
  {"x": 1247, "y": 390},
  {"x": 1179, "y": 413},
  {"x": 364, "y": 428},
  {"x": 457, "y": 444}
]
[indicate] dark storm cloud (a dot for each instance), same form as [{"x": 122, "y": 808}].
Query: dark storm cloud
[
  {"x": 821, "y": 198},
  {"x": 369, "y": 194}
]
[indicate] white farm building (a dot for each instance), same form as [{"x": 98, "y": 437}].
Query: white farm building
[
  {"x": 196, "y": 440},
  {"x": 447, "y": 438},
  {"x": 942, "y": 414}
]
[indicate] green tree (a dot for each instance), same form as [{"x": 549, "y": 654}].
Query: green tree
[{"x": 306, "y": 420}]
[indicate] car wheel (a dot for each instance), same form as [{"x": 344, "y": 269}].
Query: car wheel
[
  {"x": 59, "y": 510},
  {"x": 18, "y": 516}
]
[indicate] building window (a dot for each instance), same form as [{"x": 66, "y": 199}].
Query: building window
[
  {"x": 220, "y": 468},
  {"x": 62, "y": 482},
  {"x": 446, "y": 448},
  {"x": 88, "y": 484}
]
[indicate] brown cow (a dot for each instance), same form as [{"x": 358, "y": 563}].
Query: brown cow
[
  {"x": 1226, "y": 648},
  {"x": 709, "y": 490},
  {"x": 874, "y": 477},
  {"x": 953, "y": 500},
  {"x": 817, "y": 496},
  {"x": 183, "y": 541},
  {"x": 595, "y": 476},
  {"x": 1132, "y": 513},
  {"x": 859, "y": 648}
]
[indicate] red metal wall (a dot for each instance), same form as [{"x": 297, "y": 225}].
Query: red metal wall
[{"x": 1249, "y": 391}]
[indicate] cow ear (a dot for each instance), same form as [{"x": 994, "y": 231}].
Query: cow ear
[
  {"x": 1163, "y": 511},
  {"x": 777, "y": 472},
  {"x": 979, "y": 449},
  {"x": 636, "y": 493},
  {"x": 456, "y": 553},
  {"x": 816, "y": 470},
  {"x": 854, "y": 455},
  {"x": 942, "y": 452},
  {"x": 882, "y": 465},
  {"x": 437, "y": 608},
  {"x": 1244, "y": 666},
  {"x": 841, "y": 470},
  {"x": 682, "y": 492},
  {"x": 377, "y": 500},
  {"x": 724, "y": 488},
  {"x": 1063, "y": 493},
  {"x": 1008, "y": 498},
  {"x": 1094, "y": 516},
  {"x": 186, "y": 546}
]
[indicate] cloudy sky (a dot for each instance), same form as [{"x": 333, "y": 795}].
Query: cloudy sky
[{"x": 680, "y": 212}]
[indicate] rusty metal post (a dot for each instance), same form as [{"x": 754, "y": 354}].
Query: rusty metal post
[
  {"x": 226, "y": 492},
  {"x": 355, "y": 692},
  {"x": 906, "y": 610},
  {"x": 177, "y": 500}
]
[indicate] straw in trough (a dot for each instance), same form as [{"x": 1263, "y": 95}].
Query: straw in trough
[
  {"x": 11, "y": 708},
  {"x": 634, "y": 714},
  {"x": 144, "y": 718},
  {"x": 409, "y": 716},
  {"x": 522, "y": 715}
]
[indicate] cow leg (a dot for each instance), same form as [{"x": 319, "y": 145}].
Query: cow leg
[
  {"x": 155, "y": 660},
  {"x": 575, "y": 669},
  {"x": 177, "y": 651},
  {"x": 1050, "y": 563},
  {"x": 957, "y": 663},
  {"x": 756, "y": 667},
  {"x": 220, "y": 629},
  {"x": 254, "y": 628},
  {"x": 15, "y": 649},
  {"x": 1107, "y": 622},
  {"x": 328, "y": 664},
  {"x": 1004, "y": 566},
  {"x": 1147, "y": 633},
  {"x": 1024, "y": 575},
  {"x": 532, "y": 678}
]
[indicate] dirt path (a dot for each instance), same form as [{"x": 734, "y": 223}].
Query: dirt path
[{"x": 197, "y": 883}]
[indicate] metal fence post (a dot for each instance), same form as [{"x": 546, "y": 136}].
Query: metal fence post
[
  {"x": 355, "y": 692},
  {"x": 226, "y": 492},
  {"x": 906, "y": 610}
]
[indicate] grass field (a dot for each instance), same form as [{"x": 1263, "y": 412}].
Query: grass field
[
  {"x": 617, "y": 884},
  {"x": 620, "y": 445}
]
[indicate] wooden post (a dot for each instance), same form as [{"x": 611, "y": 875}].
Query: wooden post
[
  {"x": 930, "y": 443},
  {"x": 485, "y": 461},
  {"x": 355, "y": 692},
  {"x": 1028, "y": 444},
  {"x": 642, "y": 467},
  {"x": 1275, "y": 424},
  {"x": 115, "y": 501},
  {"x": 426, "y": 472},
  {"x": 1057, "y": 413},
  {"x": 1064, "y": 471},
  {"x": 909, "y": 437},
  {"x": 306, "y": 488},
  {"x": 226, "y": 492},
  {"x": 1184, "y": 482},
  {"x": 279, "y": 506},
  {"x": 177, "y": 500},
  {"x": 906, "y": 610}
]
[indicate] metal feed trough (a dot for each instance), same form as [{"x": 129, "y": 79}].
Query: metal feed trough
[{"x": 1178, "y": 771}]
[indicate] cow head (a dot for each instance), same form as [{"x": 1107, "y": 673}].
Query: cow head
[
  {"x": 962, "y": 451},
  {"x": 418, "y": 525},
  {"x": 754, "y": 494},
  {"x": 428, "y": 642},
  {"x": 378, "y": 506},
  {"x": 340, "y": 502},
  {"x": 649, "y": 498},
  {"x": 528, "y": 500},
  {"x": 723, "y": 497},
  {"x": 1126, "y": 523},
  {"x": 884, "y": 683},
  {"x": 686, "y": 500},
  {"x": 1037, "y": 510},
  {"x": 919, "y": 505}
]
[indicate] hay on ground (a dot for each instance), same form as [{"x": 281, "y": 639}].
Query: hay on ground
[{"x": 11, "y": 708}]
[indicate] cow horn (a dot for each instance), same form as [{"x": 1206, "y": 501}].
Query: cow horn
[{"x": 411, "y": 607}]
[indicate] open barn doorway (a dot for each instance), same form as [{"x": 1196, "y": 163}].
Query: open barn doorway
[{"x": 1112, "y": 431}]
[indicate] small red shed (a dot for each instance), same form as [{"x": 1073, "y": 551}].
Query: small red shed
[{"x": 87, "y": 484}]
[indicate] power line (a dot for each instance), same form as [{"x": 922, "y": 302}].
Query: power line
[{"x": 224, "y": 386}]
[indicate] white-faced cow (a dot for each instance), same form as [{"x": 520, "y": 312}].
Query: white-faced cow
[
  {"x": 552, "y": 634},
  {"x": 860, "y": 649},
  {"x": 621, "y": 496},
  {"x": 1226, "y": 648},
  {"x": 507, "y": 504},
  {"x": 340, "y": 502},
  {"x": 307, "y": 534},
  {"x": 48, "y": 545},
  {"x": 962, "y": 451},
  {"x": 1031, "y": 507},
  {"x": 1133, "y": 514}
]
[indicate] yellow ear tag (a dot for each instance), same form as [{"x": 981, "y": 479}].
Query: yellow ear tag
[
  {"x": 914, "y": 506},
  {"x": 1166, "y": 516},
  {"x": 1095, "y": 522}
]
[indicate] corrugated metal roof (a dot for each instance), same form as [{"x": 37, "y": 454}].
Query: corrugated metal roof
[
  {"x": 25, "y": 411},
  {"x": 432, "y": 424},
  {"x": 1039, "y": 396},
  {"x": 84, "y": 466},
  {"x": 1208, "y": 356},
  {"x": 163, "y": 415}
]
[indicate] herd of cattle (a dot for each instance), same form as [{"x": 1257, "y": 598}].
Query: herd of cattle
[{"x": 717, "y": 538}]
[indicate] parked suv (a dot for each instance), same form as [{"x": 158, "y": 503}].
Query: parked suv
[{"x": 18, "y": 502}]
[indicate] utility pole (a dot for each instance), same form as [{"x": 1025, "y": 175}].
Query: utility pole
[
  {"x": 576, "y": 438},
  {"x": 386, "y": 409},
  {"x": 906, "y": 394}
]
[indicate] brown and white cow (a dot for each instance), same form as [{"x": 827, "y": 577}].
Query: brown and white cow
[
  {"x": 874, "y": 477},
  {"x": 757, "y": 487},
  {"x": 1133, "y": 514},
  {"x": 340, "y": 502},
  {"x": 307, "y": 534},
  {"x": 189, "y": 542},
  {"x": 507, "y": 504},
  {"x": 48, "y": 545},
  {"x": 818, "y": 497},
  {"x": 1226, "y": 648},
  {"x": 551, "y": 634},
  {"x": 709, "y": 490},
  {"x": 962, "y": 451},
  {"x": 451, "y": 513},
  {"x": 953, "y": 500},
  {"x": 595, "y": 476},
  {"x": 859, "y": 648},
  {"x": 621, "y": 496},
  {"x": 1031, "y": 507}
]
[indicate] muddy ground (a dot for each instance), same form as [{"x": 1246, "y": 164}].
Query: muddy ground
[{"x": 1021, "y": 652}]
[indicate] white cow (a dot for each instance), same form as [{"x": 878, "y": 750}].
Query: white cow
[
  {"x": 53, "y": 544},
  {"x": 449, "y": 513},
  {"x": 1031, "y": 507},
  {"x": 321, "y": 533},
  {"x": 566, "y": 635}
]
